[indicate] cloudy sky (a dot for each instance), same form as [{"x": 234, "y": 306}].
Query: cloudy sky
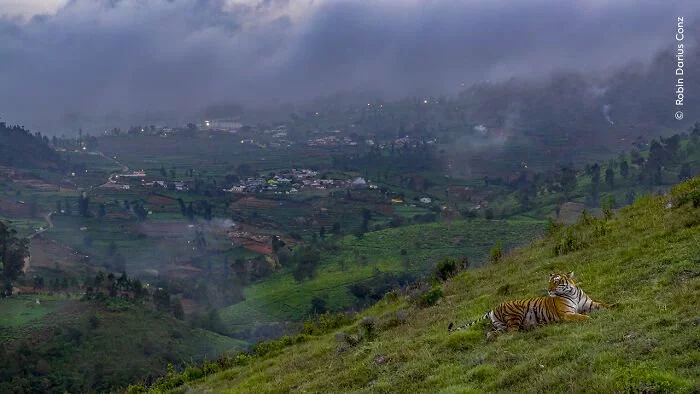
[{"x": 98, "y": 56}]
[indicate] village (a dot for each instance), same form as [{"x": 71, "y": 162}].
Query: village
[{"x": 294, "y": 181}]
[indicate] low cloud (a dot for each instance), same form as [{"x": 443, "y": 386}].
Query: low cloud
[{"x": 96, "y": 57}]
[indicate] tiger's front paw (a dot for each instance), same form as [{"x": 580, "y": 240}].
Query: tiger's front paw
[{"x": 449, "y": 327}]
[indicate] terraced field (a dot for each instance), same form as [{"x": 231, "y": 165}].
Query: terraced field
[{"x": 406, "y": 249}]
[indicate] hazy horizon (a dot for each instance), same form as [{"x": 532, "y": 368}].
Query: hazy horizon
[{"x": 124, "y": 57}]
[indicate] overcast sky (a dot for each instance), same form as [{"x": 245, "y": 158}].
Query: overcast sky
[{"x": 97, "y": 56}]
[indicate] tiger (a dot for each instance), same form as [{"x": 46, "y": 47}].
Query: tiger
[{"x": 565, "y": 302}]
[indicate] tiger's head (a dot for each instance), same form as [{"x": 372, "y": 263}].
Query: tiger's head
[{"x": 560, "y": 284}]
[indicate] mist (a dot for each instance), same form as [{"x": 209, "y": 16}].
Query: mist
[{"x": 114, "y": 59}]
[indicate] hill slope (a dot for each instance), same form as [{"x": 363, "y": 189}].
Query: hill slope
[
  {"x": 50, "y": 343},
  {"x": 645, "y": 259}
]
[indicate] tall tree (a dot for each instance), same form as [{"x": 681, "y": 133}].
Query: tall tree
[
  {"x": 13, "y": 251},
  {"x": 568, "y": 179},
  {"x": 595, "y": 174},
  {"x": 624, "y": 169},
  {"x": 84, "y": 205},
  {"x": 610, "y": 177}
]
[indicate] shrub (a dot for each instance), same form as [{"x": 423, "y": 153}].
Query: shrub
[
  {"x": 553, "y": 226},
  {"x": 431, "y": 297},
  {"x": 568, "y": 243},
  {"x": 192, "y": 373},
  {"x": 368, "y": 325},
  {"x": 496, "y": 253},
  {"x": 326, "y": 322},
  {"x": 448, "y": 267}
]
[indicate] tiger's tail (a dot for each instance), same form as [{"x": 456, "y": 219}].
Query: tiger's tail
[{"x": 464, "y": 326}]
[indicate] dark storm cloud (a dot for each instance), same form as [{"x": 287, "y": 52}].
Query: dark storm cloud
[{"x": 97, "y": 56}]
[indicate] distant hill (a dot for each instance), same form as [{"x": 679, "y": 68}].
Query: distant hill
[
  {"x": 644, "y": 259},
  {"x": 20, "y": 148},
  {"x": 53, "y": 344}
]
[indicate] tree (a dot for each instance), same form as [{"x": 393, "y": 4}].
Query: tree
[
  {"x": 336, "y": 228},
  {"x": 319, "y": 305},
  {"x": 68, "y": 207},
  {"x": 161, "y": 299},
  {"x": 58, "y": 207},
  {"x": 685, "y": 172},
  {"x": 13, "y": 251},
  {"x": 140, "y": 211},
  {"x": 610, "y": 177},
  {"x": 488, "y": 214},
  {"x": 624, "y": 169},
  {"x": 322, "y": 233},
  {"x": 568, "y": 179},
  {"x": 178, "y": 311},
  {"x": 306, "y": 261},
  {"x": 84, "y": 206},
  {"x": 366, "y": 217},
  {"x": 103, "y": 211},
  {"x": 162, "y": 172},
  {"x": 595, "y": 174}
]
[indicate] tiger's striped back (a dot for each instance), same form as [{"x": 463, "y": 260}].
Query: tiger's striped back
[{"x": 564, "y": 301}]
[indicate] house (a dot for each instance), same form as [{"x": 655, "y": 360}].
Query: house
[
  {"x": 180, "y": 186},
  {"x": 426, "y": 200},
  {"x": 235, "y": 189},
  {"x": 396, "y": 201}
]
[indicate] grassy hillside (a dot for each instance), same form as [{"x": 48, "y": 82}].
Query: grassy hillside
[
  {"x": 405, "y": 249},
  {"x": 645, "y": 259}
]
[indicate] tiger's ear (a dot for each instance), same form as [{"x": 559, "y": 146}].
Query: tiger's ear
[
  {"x": 570, "y": 275},
  {"x": 551, "y": 275}
]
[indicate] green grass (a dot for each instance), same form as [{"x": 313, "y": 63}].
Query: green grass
[
  {"x": 645, "y": 260},
  {"x": 23, "y": 310},
  {"x": 123, "y": 342},
  {"x": 281, "y": 298}
]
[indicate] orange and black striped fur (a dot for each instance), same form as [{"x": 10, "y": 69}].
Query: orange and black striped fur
[{"x": 565, "y": 302}]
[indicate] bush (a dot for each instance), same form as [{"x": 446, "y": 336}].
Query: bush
[
  {"x": 430, "y": 297},
  {"x": 326, "y": 323},
  {"x": 496, "y": 252},
  {"x": 449, "y": 267},
  {"x": 553, "y": 226},
  {"x": 368, "y": 325},
  {"x": 192, "y": 373},
  {"x": 568, "y": 243}
]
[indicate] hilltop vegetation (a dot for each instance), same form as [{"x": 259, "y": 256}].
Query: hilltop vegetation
[
  {"x": 20, "y": 148},
  {"x": 53, "y": 343},
  {"x": 644, "y": 259}
]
